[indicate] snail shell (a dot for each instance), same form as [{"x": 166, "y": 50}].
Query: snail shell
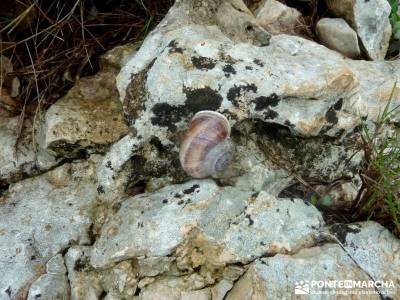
[{"x": 207, "y": 149}]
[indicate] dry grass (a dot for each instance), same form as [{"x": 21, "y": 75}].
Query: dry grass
[{"x": 52, "y": 43}]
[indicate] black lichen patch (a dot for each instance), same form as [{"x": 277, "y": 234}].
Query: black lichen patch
[
  {"x": 81, "y": 264},
  {"x": 251, "y": 221},
  {"x": 270, "y": 114},
  {"x": 191, "y": 189},
  {"x": 331, "y": 116},
  {"x": 136, "y": 95},
  {"x": 100, "y": 189},
  {"x": 109, "y": 165},
  {"x": 259, "y": 62},
  {"x": 236, "y": 92},
  {"x": 289, "y": 124},
  {"x": 228, "y": 70},
  {"x": 263, "y": 102},
  {"x": 338, "y": 105},
  {"x": 341, "y": 231},
  {"x": 174, "y": 48},
  {"x": 203, "y": 63},
  {"x": 202, "y": 99},
  {"x": 166, "y": 115}
]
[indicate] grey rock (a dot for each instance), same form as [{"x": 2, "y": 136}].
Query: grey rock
[
  {"x": 189, "y": 287},
  {"x": 276, "y": 277},
  {"x": 370, "y": 19},
  {"x": 277, "y": 18},
  {"x": 203, "y": 294},
  {"x": 377, "y": 80},
  {"x": 337, "y": 35},
  {"x": 229, "y": 225},
  {"x": 56, "y": 266},
  {"x": 374, "y": 249},
  {"x": 17, "y": 155},
  {"x": 88, "y": 118},
  {"x": 114, "y": 59},
  {"x": 119, "y": 282},
  {"x": 52, "y": 285},
  {"x": 243, "y": 95},
  {"x": 84, "y": 284},
  {"x": 309, "y": 93},
  {"x": 219, "y": 290},
  {"x": 231, "y": 16},
  {"x": 39, "y": 220},
  {"x": 153, "y": 266}
]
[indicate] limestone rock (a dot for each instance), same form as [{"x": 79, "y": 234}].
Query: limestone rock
[
  {"x": 377, "y": 80},
  {"x": 52, "y": 285},
  {"x": 17, "y": 156},
  {"x": 206, "y": 71},
  {"x": 39, "y": 220},
  {"x": 88, "y": 117},
  {"x": 302, "y": 102},
  {"x": 277, "y": 18},
  {"x": 114, "y": 59},
  {"x": 276, "y": 277},
  {"x": 119, "y": 282},
  {"x": 238, "y": 23},
  {"x": 374, "y": 249},
  {"x": 337, "y": 35},
  {"x": 84, "y": 285},
  {"x": 227, "y": 225},
  {"x": 190, "y": 287},
  {"x": 370, "y": 19},
  {"x": 219, "y": 291}
]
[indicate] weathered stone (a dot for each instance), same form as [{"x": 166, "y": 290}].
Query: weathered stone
[
  {"x": 189, "y": 287},
  {"x": 114, "y": 59},
  {"x": 276, "y": 277},
  {"x": 243, "y": 95},
  {"x": 370, "y": 19},
  {"x": 84, "y": 284},
  {"x": 203, "y": 294},
  {"x": 119, "y": 282},
  {"x": 17, "y": 155},
  {"x": 199, "y": 223},
  {"x": 311, "y": 94},
  {"x": 374, "y": 249},
  {"x": 337, "y": 35},
  {"x": 277, "y": 18},
  {"x": 294, "y": 107},
  {"x": 88, "y": 118},
  {"x": 39, "y": 220},
  {"x": 377, "y": 82},
  {"x": 219, "y": 291},
  {"x": 52, "y": 285},
  {"x": 154, "y": 266}
]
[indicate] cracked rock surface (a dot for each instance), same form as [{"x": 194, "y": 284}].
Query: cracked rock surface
[
  {"x": 104, "y": 210},
  {"x": 197, "y": 219}
]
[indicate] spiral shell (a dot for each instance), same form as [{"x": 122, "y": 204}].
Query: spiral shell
[{"x": 207, "y": 149}]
